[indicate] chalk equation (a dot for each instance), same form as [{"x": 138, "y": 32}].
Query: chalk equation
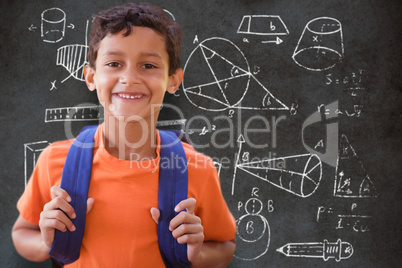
[{"x": 354, "y": 219}]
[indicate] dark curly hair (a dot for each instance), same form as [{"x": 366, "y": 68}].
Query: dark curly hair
[{"x": 125, "y": 16}]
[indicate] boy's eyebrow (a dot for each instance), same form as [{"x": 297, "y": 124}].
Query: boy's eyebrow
[{"x": 142, "y": 54}]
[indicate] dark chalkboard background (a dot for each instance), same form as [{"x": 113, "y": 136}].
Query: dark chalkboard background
[{"x": 323, "y": 168}]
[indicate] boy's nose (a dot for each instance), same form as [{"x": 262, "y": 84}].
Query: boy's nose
[{"x": 129, "y": 76}]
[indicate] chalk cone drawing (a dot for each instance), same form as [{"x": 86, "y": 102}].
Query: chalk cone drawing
[
  {"x": 253, "y": 233},
  {"x": 262, "y": 25},
  {"x": 337, "y": 250},
  {"x": 53, "y": 25},
  {"x": 217, "y": 77},
  {"x": 320, "y": 46},
  {"x": 351, "y": 178},
  {"x": 31, "y": 154},
  {"x": 73, "y": 58},
  {"x": 297, "y": 174}
]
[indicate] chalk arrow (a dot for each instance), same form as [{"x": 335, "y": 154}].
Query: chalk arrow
[
  {"x": 277, "y": 41},
  {"x": 71, "y": 26},
  {"x": 32, "y": 28}
]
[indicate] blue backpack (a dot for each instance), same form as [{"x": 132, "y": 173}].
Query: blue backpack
[{"x": 173, "y": 188}]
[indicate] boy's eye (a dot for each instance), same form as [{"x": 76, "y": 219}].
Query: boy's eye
[
  {"x": 113, "y": 64},
  {"x": 148, "y": 66}
]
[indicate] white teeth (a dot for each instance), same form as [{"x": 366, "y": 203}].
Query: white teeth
[{"x": 127, "y": 96}]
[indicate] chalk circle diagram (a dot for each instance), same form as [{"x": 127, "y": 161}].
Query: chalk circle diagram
[
  {"x": 253, "y": 233},
  {"x": 300, "y": 174},
  {"x": 320, "y": 46},
  {"x": 217, "y": 77}
]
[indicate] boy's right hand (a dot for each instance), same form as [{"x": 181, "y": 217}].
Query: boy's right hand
[{"x": 52, "y": 216}]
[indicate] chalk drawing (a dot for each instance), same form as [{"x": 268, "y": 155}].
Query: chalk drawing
[
  {"x": 31, "y": 154},
  {"x": 217, "y": 77},
  {"x": 77, "y": 113},
  {"x": 262, "y": 25},
  {"x": 53, "y": 25},
  {"x": 337, "y": 250},
  {"x": 351, "y": 178},
  {"x": 296, "y": 174},
  {"x": 73, "y": 58},
  {"x": 320, "y": 46},
  {"x": 253, "y": 233}
]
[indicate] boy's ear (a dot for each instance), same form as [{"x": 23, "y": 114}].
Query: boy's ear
[
  {"x": 89, "y": 74},
  {"x": 175, "y": 80}
]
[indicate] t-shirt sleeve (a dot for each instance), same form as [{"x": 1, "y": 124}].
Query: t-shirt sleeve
[
  {"x": 37, "y": 191},
  {"x": 217, "y": 220}
]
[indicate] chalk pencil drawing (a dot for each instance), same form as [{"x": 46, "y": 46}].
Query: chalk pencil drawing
[
  {"x": 351, "y": 178},
  {"x": 296, "y": 174},
  {"x": 74, "y": 58},
  {"x": 320, "y": 46},
  {"x": 53, "y": 25},
  {"x": 77, "y": 113},
  {"x": 31, "y": 154},
  {"x": 217, "y": 77},
  {"x": 338, "y": 250},
  {"x": 253, "y": 233}
]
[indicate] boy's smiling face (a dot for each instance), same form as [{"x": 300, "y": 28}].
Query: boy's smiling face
[{"x": 131, "y": 74}]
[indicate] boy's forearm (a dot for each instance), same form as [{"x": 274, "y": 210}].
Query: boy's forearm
[
  {"x": 215, "y": 254},
  {"x": 29, "y": 244}
]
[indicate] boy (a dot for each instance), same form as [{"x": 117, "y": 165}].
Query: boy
[{"x": 134, "y": 56}]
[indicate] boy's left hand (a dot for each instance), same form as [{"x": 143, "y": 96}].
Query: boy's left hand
[{"x": 186, "y": 227}]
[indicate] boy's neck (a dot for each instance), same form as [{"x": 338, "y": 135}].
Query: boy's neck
[{"x": 130, "y": 141}]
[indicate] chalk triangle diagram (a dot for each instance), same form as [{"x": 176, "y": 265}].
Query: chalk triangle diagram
[
  {"x": 351, "y": 178},
  {"x": 231, "y": 79}
]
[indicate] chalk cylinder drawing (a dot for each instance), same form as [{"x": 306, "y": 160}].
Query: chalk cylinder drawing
[
  {"x": 298, "y": 174},
  {"x": 320, "y": 46},
  {"x": 53, "y": 25}
]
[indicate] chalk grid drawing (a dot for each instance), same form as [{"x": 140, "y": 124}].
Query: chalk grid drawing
[
  {"x": 351, "y": 178},
  {"x": 73, "y": 58},
  {"x": 217, "y": 77},
  {"x": 296, "y": 174},
  {"x": 320, "y": 46},
  {"x": 253, "y": 233},
  {"x": 53, "y": 25},
  {"x": 31, "y": 154},
  {"x": 326, "y": 250}
]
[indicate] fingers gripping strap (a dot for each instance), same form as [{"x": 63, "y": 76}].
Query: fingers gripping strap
[
  {"x": 75, "y": 180},
  {"x": 173, "y": 188}
]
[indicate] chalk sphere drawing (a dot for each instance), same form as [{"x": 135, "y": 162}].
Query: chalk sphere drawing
[
  {"x": 217, "y": 75},
  {"x": 320, "y": 46},
  {"x": 301, "y": 174},
  {"x": 53, "y": 25},
  {"x": 253, "y": 232}
]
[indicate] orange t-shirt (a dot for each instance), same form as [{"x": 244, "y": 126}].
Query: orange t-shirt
[{"x": 119, "y": 230}]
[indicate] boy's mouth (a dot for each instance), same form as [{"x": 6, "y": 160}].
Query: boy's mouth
[{"x": 129, "y": 96}]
